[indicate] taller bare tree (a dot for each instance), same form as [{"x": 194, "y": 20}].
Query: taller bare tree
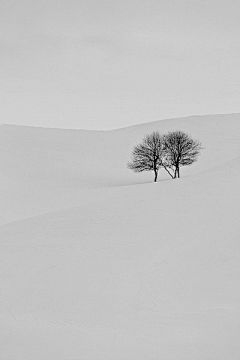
[
  {"x": 148, "y": 155},
  {"x": 180, "y": 150}
]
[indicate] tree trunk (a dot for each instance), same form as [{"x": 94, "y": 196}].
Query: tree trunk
[
  {"x": 156, "y": 175},
  {"x": 178, "y": 172},
  {"x": 175, "y": 173},
  {"x": 172, "y": 176}
]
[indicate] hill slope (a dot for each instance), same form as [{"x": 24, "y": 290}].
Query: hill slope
[{"x": 148, "y": 271}]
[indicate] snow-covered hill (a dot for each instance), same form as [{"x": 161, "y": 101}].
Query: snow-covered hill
[{"x": 100, "y": 263}]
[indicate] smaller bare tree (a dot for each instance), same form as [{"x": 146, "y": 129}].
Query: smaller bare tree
[
  {"x": 180, "y": 150},
  {"x": 148, "y": 155}
]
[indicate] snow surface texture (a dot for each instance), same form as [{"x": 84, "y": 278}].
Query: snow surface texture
[{"x": 99, "y": 263}]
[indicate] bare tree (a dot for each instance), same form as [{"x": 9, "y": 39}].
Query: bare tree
[
  {"x": 180, "y": 150},
  {"x": 148, "y": 155}
]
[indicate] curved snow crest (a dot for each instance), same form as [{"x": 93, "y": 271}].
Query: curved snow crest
[{"x": 43, "y": 170}]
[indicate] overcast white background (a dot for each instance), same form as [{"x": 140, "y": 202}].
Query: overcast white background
[{"x": 97, "y": 64}]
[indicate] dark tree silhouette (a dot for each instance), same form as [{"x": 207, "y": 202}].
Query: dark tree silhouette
[
  {"x": 148, "y": 155},
  {"x": 180, "y": 150}
]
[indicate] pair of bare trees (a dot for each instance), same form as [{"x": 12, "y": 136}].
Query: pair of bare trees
[{"x": 170, "y": 151}]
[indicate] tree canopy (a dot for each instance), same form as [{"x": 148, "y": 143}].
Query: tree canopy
[
  {"x": 180, "y": 150},
  {"x": 170, "y": 151},
  {"x": 148, "y": 155}
]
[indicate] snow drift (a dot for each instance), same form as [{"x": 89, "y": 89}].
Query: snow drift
[{"x": 101, "y": 263}]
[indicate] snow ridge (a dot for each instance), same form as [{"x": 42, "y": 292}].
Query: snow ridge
[{"x": 101, "y": 263}]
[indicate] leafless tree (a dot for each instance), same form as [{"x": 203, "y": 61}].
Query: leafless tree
[
  {"x": 148, "y": 155},
  {"x": 180, "y": 150}
]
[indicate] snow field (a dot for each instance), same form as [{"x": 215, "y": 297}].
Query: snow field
[{"x": 96, "y": 265}]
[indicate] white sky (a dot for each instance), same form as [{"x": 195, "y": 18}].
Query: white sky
[{"x": 104, "y": 64}]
